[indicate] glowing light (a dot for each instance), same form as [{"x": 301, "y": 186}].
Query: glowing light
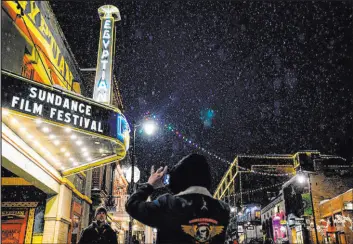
[
  {"x": 52, "y": 136},
  {"x": 56, "y": 142},
  {"x": 83, "y": 149},
  {"x": 78, "y": 143},
  {"x": 97, "y": 142},
  {"x": 73, "y": 136},
  {"x": 62, "y": 149},
  {"x": 71, "y": 159},
  {"x": 14, "y": 121},
  {"x": 232, "y": 209},
  {"x": 67, "y": 130},
  {"x": 149, "y": 127},
  {"x": 301, "y": 179},
  {"x": 5, "y": 112},
  {"x": 38, "y": 121},
  {"x": 67, "y": 154},
  {"x": 101, "y": 150},
  {"x": 46, "y": 129},
  {"x": 85, "y": 154},
  {"x": 89, "y": 159},
  {"x": 29, "y": 136},
  {"x": 36, "y": 143},
  {"x": 75, "y": 164}
]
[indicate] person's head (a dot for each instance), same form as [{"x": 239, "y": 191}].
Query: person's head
[
  {"x": 101, "y": 214},
  {"x": 192, "y": 170}
]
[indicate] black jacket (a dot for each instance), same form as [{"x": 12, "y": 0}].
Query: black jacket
[
  {"x": 95, "y": 235},
  {"x": 192, "y": 216}
]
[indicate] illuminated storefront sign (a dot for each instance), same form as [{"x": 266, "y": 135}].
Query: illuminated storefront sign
[
  {"x": 103, "y": 81},
  {"x": 52, "y": 104}
]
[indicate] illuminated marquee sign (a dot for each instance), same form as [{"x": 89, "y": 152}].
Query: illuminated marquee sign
[
  {"x": 103, "y": 76},
  {"x": 52, "y": 104}
]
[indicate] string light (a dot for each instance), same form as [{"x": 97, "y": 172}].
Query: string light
[
  {"x": 190, "y": 142},
  {"x": 256, "y": 190}
]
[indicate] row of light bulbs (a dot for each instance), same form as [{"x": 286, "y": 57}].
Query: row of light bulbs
[{"x": 54, "y": 140}]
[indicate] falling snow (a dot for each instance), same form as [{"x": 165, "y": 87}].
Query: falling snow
[{"x": 277, "y": 76}]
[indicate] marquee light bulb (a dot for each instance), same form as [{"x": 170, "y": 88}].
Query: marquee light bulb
[
  {"x": 78, "y": 143},
  {"x": 14, "y": 121},
  {"x": 5, "y": 112},
  {"x": 62, "y": 149},
  {"x": 52, "y": 136},
  {"x": 67, "y": 154},
  {"x": 73, "y": 136},
  {"x": 38, "y": 121},
  {"x": 46, "y": 129},
  {"x": 67, "y": 129},
  {"x": 56, "y": 142}
]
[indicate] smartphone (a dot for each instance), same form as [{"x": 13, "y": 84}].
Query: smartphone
[{"x": 166, "y": 179}]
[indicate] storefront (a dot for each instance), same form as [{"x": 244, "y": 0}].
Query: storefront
[
  {"x": 52, "y": 136},
  {"x": 336, "y": 219},
  {"x": 274, "y": 221}
]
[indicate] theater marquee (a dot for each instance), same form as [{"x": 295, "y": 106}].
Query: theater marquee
[{"x": 63, "y": 108}]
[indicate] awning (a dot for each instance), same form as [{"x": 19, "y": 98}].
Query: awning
[{"x": 71, "y": 132}]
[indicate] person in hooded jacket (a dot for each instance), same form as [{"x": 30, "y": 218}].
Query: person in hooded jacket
[
  {"x": 190, "y": 214},
  {"x": 99, "y": 231}
]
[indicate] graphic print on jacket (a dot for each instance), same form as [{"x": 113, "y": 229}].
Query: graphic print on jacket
[{"x": 203, "y": 229}]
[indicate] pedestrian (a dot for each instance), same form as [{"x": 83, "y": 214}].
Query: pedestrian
[
  {"x": 134, "y": 240},
  {"x": 99, "y": 231},
  {"x": 190, "y": 214}
]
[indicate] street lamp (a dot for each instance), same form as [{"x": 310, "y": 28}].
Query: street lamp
[
  {"x": 149, "y": 127},
  {"x": 301, "y": 178}
]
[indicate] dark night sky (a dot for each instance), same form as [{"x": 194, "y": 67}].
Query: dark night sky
[{"x": 278, "y": 75}]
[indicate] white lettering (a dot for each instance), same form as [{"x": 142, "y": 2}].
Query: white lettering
[
  {"x": 60, "y": 115},
  {"x": 27, "y": 107},
  {"x": 52, "y": 112},
  {"x": 81, "y": 120},
  {"x": 100, "y": 127},
  {"x": 50, "y": 98},
  {"x": 94, "y": 125},
  {"x": 74, "y": 105},
  {"x": 75, "y": 118},
  {"x": 37, "y": 108},
  {"x": 104, "y": 62},
  {"x": 105, "y": 54},
  {"x": 66, "y": 103},
  {"x": 106, "y": 34},
  {"x": 107, "y": 24},
  {"x": 81, "y": 108},
  {"x": 86, "y": 122},
  {"x": 88, "y": 110},
  {"x": 22, "y": 104},
  {"x": 106, "y": 43},
  {"x": 58, "y": 100},
  {"x": 41, "y": 95},
  {"x": 14, "y": 101},
  {"x": 33, "y": 92},
  {"x": 67, "y": 117}
]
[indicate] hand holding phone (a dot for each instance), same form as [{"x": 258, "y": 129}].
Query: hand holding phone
[{"x": 156, "y": 178}]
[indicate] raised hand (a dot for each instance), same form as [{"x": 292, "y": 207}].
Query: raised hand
[{"x": 156, "y": 177}]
